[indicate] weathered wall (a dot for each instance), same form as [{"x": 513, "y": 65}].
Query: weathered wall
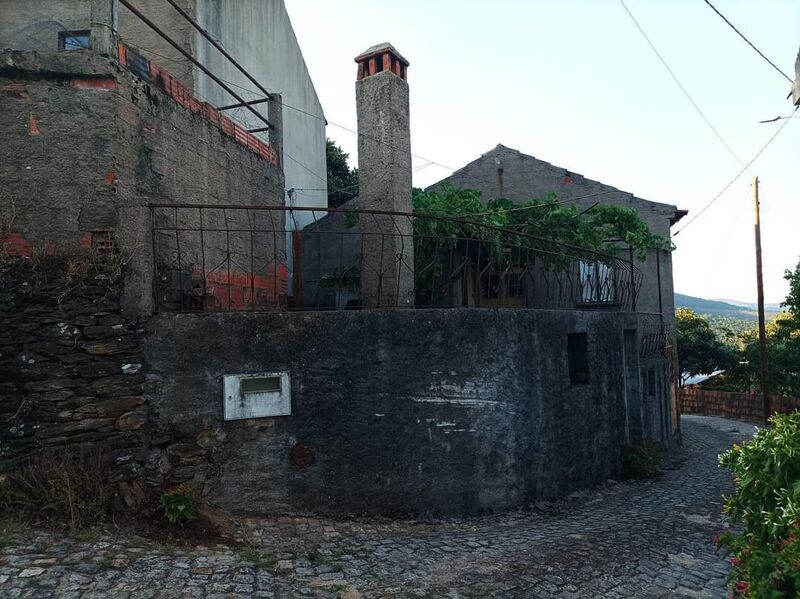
[
  {"x": 449, "y": 411},
  {"x": 508, "y": 173},
  {"x": 34, "y": 24},
  {"x": 88, "y": 145},
  {"x": 259, "y": 35},
  {"x": 70, "y": 364}
]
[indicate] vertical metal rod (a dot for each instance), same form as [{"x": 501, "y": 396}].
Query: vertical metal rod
[
  {"x": 762, "y": 330},
  {"x": 632, "y": 284},
  {"x": 465, "y": 278},
  {"x": 380, "y": 273},
  {"x": 203, "y": 258},
  {"x": 319, "y": 268},
  {"x": 275, "y": 269},
  {"x": 340, "y": 270},
  {"x": 252, "y": 264},
  {"x": 155, "y": 259},
  {"x": 178, "y": 249},
  {"x": 660, "y": 300},
  {"x": 228, "y": 253},
  {"x": 477, "y": 292},
  {"x": 436, "y": 249}
]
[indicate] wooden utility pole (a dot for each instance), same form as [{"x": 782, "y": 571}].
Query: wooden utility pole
[{"x": 762, "y": 331}]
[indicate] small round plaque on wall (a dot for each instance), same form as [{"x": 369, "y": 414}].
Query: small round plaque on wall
[{"x": 302, "y": 455}]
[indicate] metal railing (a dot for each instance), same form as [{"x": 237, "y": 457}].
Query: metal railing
[
  {"x": 233, "y": 258},
  {"x": 655, "y": 335}
]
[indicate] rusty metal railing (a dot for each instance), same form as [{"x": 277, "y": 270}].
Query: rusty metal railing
[{"x": 233, "y": 258}]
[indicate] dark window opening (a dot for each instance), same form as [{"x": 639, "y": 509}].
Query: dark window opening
[
  {"x": 73, "y": 40},
  {"x": 379, "y": 63},
  {"x": 578, "y": 358}
]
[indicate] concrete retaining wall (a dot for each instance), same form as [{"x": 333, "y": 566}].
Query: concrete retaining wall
[{"x": 451, "y": 411}]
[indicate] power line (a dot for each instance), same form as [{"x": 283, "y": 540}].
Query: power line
[
  {"x": 680, "y": 85},
  {"x": 749, "y": 43},
  {"x": 732, "y": 181}
]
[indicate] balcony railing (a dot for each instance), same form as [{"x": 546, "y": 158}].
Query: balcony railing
[{"x": 233, "y": 258}]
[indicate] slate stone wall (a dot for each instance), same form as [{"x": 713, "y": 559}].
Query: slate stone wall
[
  {"x": 393, "y": 412},
  {"x": 71, "y": 366}
]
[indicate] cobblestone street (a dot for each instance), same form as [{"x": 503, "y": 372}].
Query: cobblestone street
[{"x": 650, "y": 539}]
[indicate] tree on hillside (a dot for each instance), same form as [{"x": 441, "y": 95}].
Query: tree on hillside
[
  {"x": 783, "y": 350},
  {"x": 342, "y": 180},
  {"x": 699, "y": 349}
]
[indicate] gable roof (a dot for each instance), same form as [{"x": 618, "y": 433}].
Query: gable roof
[{"x": 509, "y": 173}]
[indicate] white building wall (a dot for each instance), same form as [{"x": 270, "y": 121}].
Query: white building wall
[{"x": 259, "y": 34}]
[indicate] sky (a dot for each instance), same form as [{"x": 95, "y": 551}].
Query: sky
[{"x": 574, "y": 82}]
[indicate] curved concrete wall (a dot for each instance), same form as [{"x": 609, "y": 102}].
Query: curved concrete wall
[{"x": 401, "y": 411}]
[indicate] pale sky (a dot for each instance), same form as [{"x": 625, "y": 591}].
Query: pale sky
[{"x": 573, "y": 82}]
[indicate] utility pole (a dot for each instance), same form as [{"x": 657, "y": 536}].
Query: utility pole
[{"x": 762, "y": 331}]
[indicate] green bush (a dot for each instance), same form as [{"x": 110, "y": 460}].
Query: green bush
[
  {"x": 766, "y": 470},
  {"x": 178, "y": 509},
  {"x": 641, "y": 459}
]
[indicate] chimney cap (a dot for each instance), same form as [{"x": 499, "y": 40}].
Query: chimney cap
[{"x": 381, "y": 49}]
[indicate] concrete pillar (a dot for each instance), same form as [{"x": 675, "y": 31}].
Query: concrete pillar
[
  {"x": 104, "y": 26},
  {"x": 275, "y": 117},
  {"x": 384, "y": 178}
]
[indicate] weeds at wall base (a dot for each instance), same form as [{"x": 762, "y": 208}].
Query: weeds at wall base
[
  {"x": 641, "y": 459},
  {"x": 69, "y": 485}
]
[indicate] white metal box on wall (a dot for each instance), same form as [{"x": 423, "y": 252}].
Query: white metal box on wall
[{"x": 256, "y": 395}]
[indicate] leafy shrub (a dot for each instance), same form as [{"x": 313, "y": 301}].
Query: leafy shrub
[
  {"x": 766, "y": 470},
  {"x": 641, "y": 459},
  {"x": 178, "y": 509},
  {"x": 69, "y": 484}
]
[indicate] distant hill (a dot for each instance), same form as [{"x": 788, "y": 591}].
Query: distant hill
[
  {"x": 768, "y": 307},
  {"x": 708, "y": 307}
]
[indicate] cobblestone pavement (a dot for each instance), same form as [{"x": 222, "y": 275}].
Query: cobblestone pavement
[{"x": 647, "y": 539}]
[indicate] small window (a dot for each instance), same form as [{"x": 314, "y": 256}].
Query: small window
[
  {"x": 73, "y": 40},
  {"x": 578, "y": 357}
]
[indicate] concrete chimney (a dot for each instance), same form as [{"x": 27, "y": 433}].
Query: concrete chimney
[{"x": 384, "y": 177}]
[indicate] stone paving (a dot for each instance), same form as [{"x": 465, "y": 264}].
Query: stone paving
[{"x": 643, "y": 539}]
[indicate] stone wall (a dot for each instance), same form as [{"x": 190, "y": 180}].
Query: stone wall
[
  {"x": 71, "y": 367},
  {"x": 88, "y": 143},
  {"x": 739, "y": 406},
  {"x": 392, "y": 412}
]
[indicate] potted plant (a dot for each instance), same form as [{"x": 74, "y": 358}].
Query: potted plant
[{"x": 345, "y": 282}]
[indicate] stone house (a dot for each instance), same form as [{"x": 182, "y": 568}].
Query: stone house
[
  {"x": 507, "y": 173},
  {"x": 143, "y": 281}
]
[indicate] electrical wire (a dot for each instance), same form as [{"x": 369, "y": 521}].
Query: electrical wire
[
  {"x": 680, "y": 85},
  {"x": 749, "y": 43},
  {"x": 732, "y": 181}
]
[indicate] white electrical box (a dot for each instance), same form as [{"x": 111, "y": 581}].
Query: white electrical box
[{"x": 256, "y": 395}]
